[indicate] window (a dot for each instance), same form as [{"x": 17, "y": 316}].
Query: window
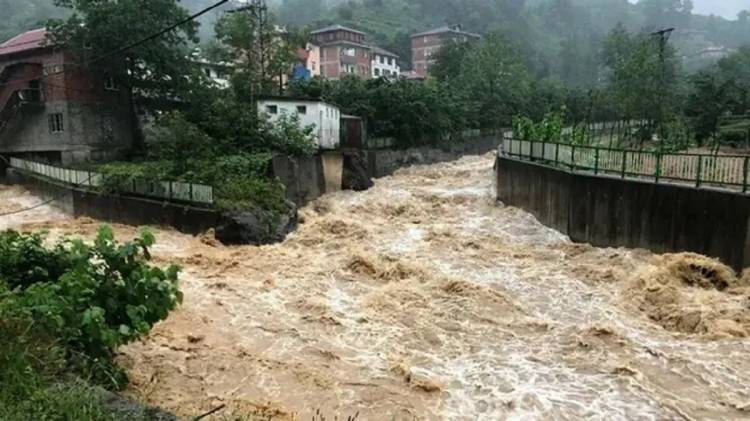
[
  {"x": 272, "y": 109},
  {"x": 52, "y": 69},
  {"x": 207, "y": 71},
  {"x": 377, "y": 72},
  {"x": 313, "y": 66},
  {"x": 301, "y": 109},
  {"x": 350, "y": 52},
  {"x": 390, "y": 61},
  {"x": 109, "y": 84},
  {"x": 56, "y": 123},
  {"x": 382, "y": 60}
]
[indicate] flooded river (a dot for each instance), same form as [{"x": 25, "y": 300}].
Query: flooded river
[{"x": 423, "y": 298}]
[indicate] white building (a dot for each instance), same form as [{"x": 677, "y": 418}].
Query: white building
[
  {"x": 216, "y": 72},
  {"x": 325, "y": 117},
  {"x": 384, "y": 64}
]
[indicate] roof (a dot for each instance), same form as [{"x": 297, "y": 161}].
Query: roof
[
  {"x": 26, "y": 41},
  {"x": 346, "y": 42},
  {"x": 383, "y": 52},
  {"x": 293, "y": 99},
  {"x": 446, "y": 30},
  {"x": 336, "y": 28}
]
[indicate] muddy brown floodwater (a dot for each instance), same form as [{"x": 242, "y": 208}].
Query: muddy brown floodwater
[{"x": 423, "y": 298}]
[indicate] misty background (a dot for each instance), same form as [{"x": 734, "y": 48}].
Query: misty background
[{"x": 558, "y": 39}]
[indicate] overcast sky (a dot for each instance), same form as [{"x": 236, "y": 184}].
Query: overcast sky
[{"x": 726, "y": 8}]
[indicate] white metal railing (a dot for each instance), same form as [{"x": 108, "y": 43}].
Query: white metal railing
[
  {"x": 171, "y": 190},
  {"x": 724, "y": 171}
]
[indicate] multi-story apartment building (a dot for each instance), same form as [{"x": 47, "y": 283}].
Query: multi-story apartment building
[
  {"x": 343, "y": 51},
  {"x": 425, "y": 45},
  {"x": 384, "y": 64}
]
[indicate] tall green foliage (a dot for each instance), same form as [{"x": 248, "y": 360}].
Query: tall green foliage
[
  {"x": 719, "y": 92},
  {"x": 643, "y": 78},
  {"x": 260, "y": 50},
  {"x": 96, "y": 30},
  {"x": 84, "y": 299}
]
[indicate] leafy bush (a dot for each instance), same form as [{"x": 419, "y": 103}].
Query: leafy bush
[
  {"x": 85, "y": 299},
  {"x": 734, "y": 137},
  {"x": 550, "y": 129},
  {"x": 286, "y": 135},
  {"x": 252, "y": 193},
  {"x": 241, "y": 181}
]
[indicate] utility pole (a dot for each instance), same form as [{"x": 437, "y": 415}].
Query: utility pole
[{"x": 662, "y": 38}]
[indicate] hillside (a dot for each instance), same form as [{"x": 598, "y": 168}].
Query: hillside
[{"x": 558, "y": 38}]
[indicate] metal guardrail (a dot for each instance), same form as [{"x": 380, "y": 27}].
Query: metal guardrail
[
  {"x": 721, "y": 171},
  {"x": 170, "y": 190}
]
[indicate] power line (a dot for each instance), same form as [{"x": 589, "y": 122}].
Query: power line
[
  {"x": 125, "y": 47},
  {"x": 162, "y": 32}
]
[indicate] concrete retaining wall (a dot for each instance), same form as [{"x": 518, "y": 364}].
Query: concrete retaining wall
[
  {"x": 383, "y": 162},
  {"x": 119, "y": 209},
  {"x": 612, "y": 212},
  {"x": 303, "y": 177}
]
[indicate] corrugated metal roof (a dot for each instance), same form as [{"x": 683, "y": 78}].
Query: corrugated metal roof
[
  {"x": 383, "y": 52},
  {"x": 336, "y": 28},
  {"x": 445, "y": 30},
  {"x": 26, "y": 41}
]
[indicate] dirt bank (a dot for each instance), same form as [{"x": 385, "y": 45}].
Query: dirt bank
[{"x": 422, "y": 298}]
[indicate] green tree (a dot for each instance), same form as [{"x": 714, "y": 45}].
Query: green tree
[
  {"x": 644, "y": 84},
  {"x": 666, "y": 13},
  {"x": 449, "y": 61},
  {"x": 705, "y": 105},
  {"x": 722, "y": 90},
  {"x": 496, "y": 79},
  {"x": 97, "y": 30},
  {"x": 261, "y": 50}
]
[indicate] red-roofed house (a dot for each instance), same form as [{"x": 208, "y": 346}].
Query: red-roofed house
[{"x": 52, "y": 108}]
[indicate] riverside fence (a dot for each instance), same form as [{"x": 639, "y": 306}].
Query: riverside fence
[
  {"x": 169, "y": 190},
  {"x": 701, "y": 170}
]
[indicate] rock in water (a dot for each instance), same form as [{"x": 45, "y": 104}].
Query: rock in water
[
  {"x": 257, "y": 227},
  {"x": 356, "y": 176}
]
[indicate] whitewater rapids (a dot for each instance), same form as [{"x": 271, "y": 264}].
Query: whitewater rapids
[{"x": 423, "y": 298}]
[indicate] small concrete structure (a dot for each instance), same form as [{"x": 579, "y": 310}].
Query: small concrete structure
[{"x": 325, "y": 117}]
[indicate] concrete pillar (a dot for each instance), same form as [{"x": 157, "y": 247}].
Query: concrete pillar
[{"x": 333, "y": 170}]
